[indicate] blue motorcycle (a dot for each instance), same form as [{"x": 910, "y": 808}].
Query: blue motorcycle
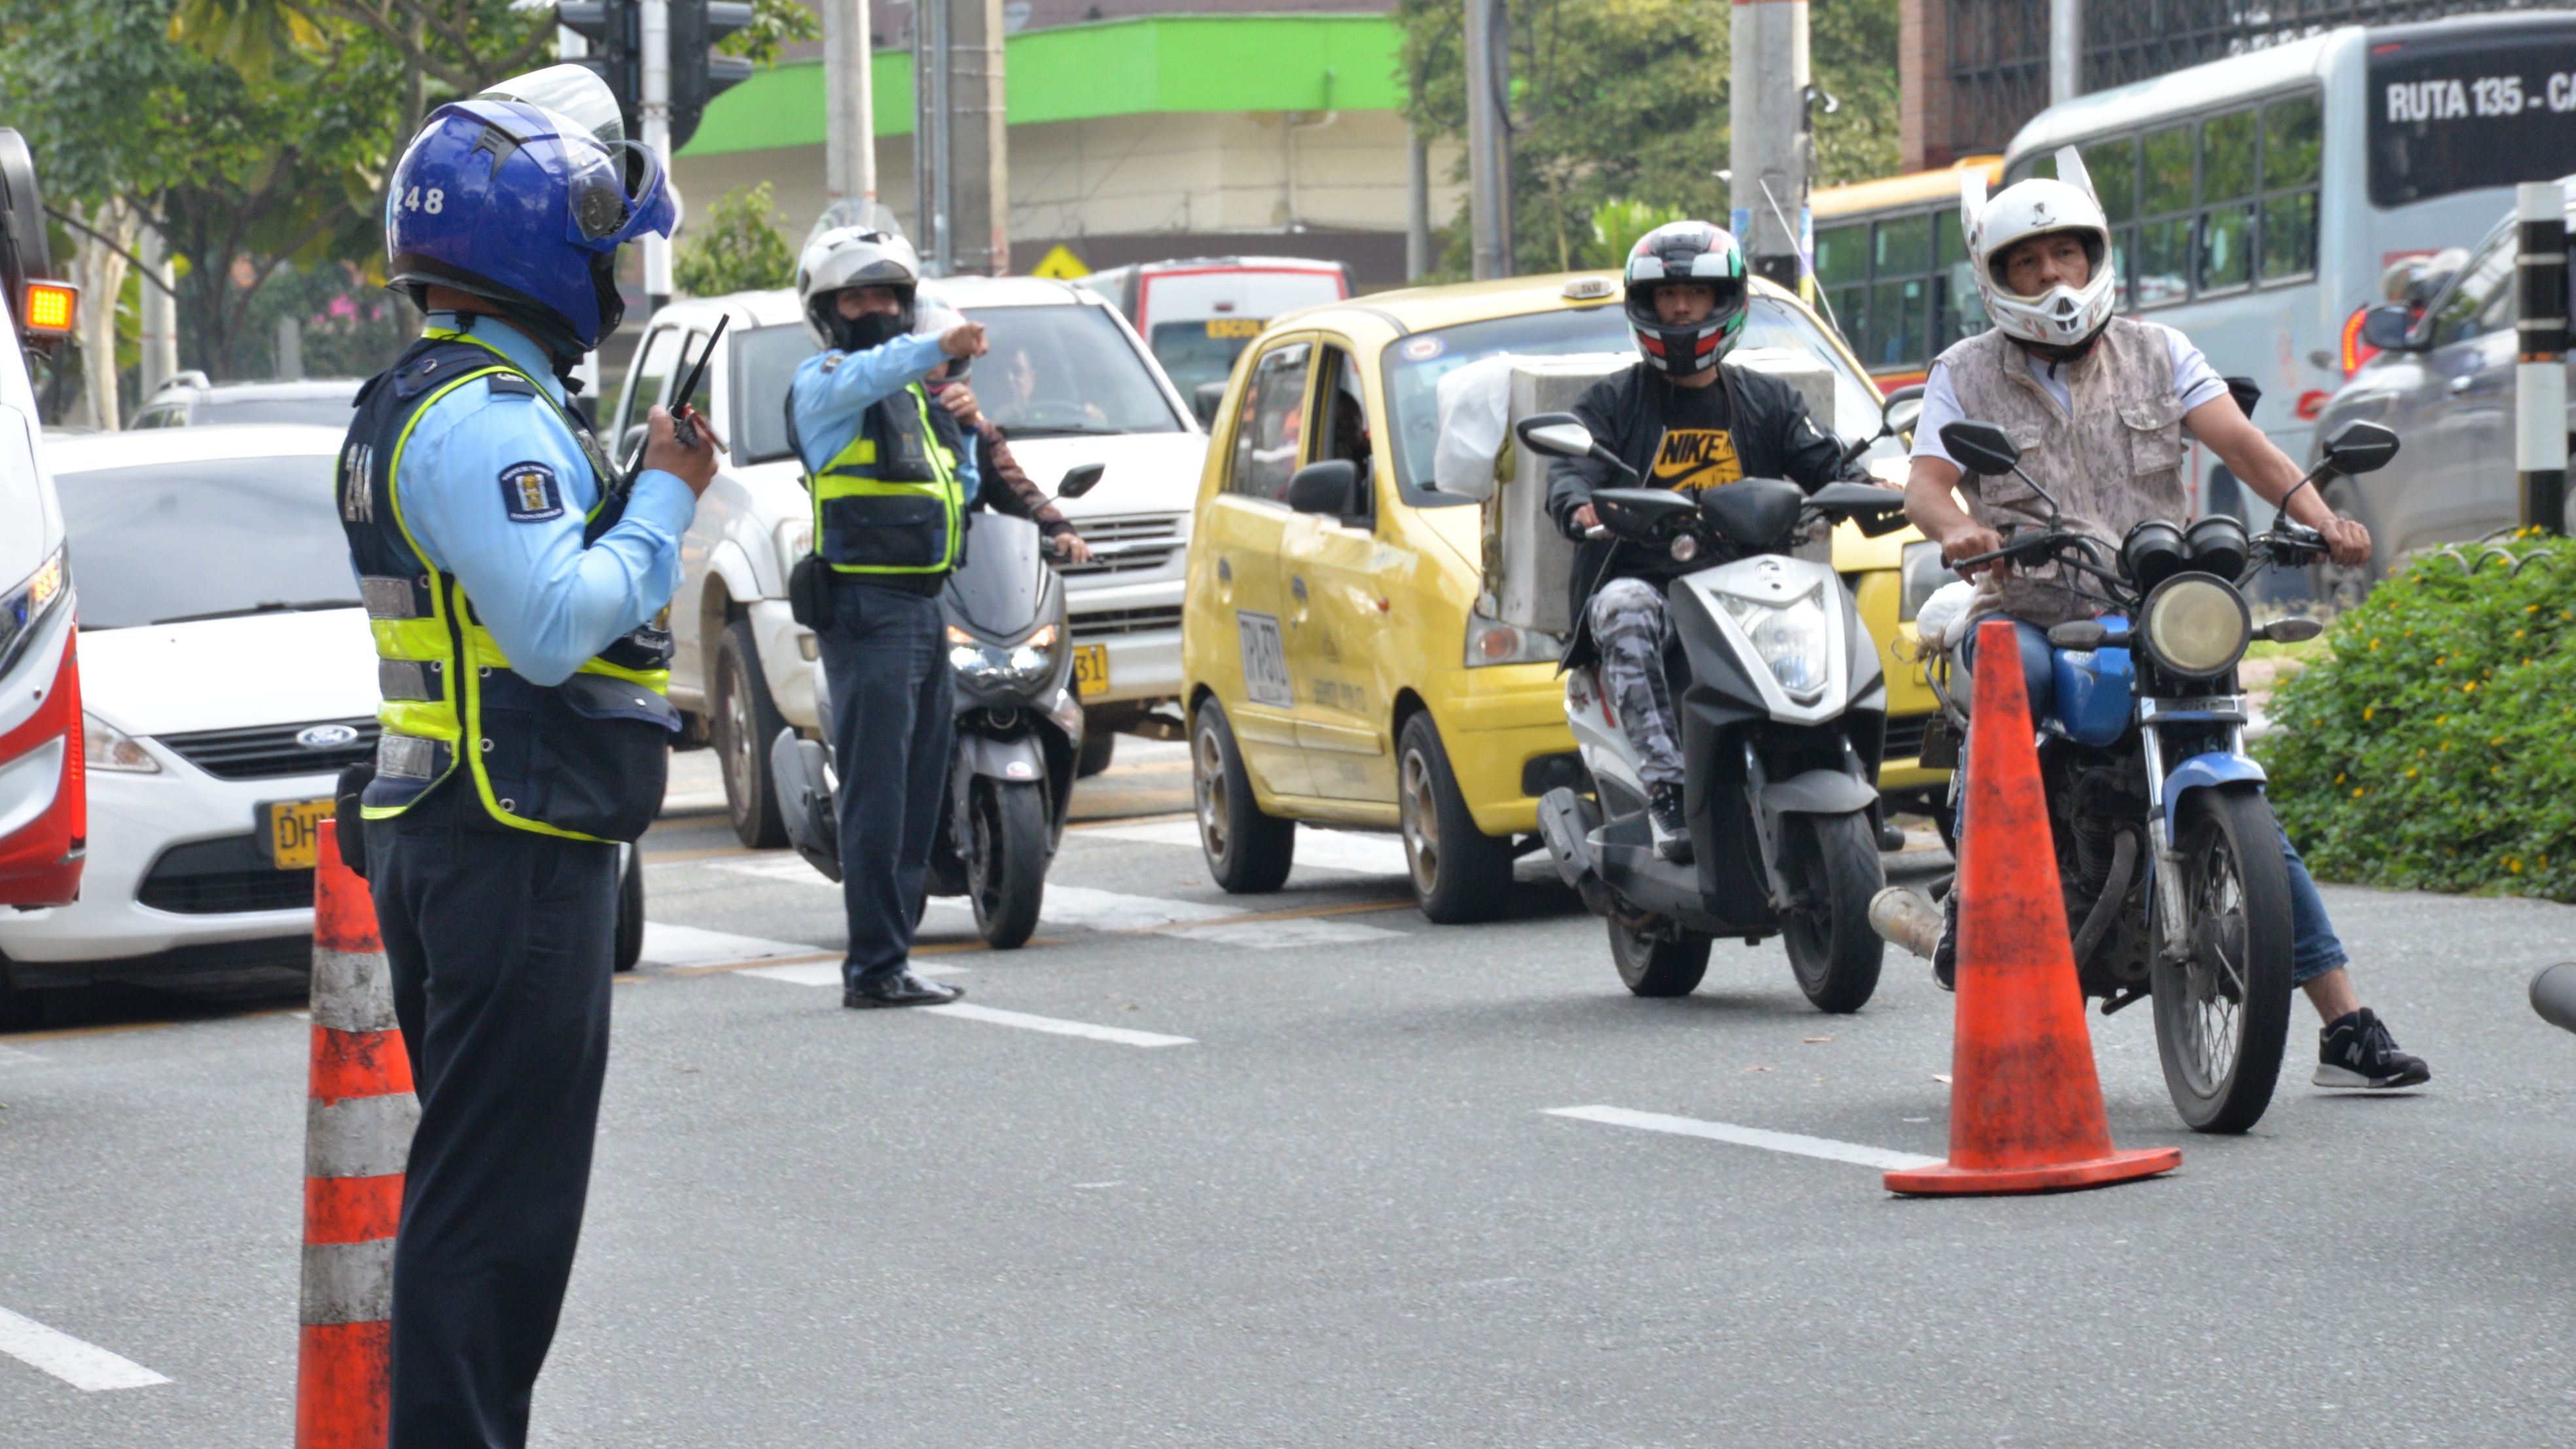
[{"x": 2166, "y": 848}]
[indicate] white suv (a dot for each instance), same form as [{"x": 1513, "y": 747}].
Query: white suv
[{"x": 1071, "y": 383}]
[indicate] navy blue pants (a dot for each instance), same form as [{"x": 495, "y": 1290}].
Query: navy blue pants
[
  {"x": 885, "y": 656},
  {"x": 500, "y": 946},
  {"x": 2315, "y": 949}
]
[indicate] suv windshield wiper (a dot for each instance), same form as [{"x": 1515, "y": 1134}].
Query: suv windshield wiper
[{"x": 270, "y": 606}]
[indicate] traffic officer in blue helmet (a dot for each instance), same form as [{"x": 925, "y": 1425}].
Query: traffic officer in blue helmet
[
  {"x": 513, "y": 582},
  {"x": 891, "y": 475}
]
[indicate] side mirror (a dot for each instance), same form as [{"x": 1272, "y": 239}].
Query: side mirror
[
  {"x": 1556, "y": 435},
  {"x": 1903, "y": 408},
  {"x": 1079, "y": 480},
  {"x": 2387, "y": 327},
  {"x": 631, "y": 446},
  {"x": 1856, "y": 499},
  {"x": 1985, "y": 449},
  {"x": 1325, "y": 488},
  {"x": 2359, "y": 447},
  {"x": 1206, "y": 400}
]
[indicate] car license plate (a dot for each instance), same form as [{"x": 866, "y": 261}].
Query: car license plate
[
  {"x": 295, "y": 831},
  {"x": 1090, "y": 669}
]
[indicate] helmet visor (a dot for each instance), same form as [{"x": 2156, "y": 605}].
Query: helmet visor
[
  {"x": 601, "y": 209},
  {"x": 572, "y": 91}
]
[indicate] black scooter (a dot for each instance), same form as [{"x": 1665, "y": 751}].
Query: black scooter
[{"x": 1019, "y": 733}]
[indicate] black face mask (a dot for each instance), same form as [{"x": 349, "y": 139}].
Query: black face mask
[
  {"x": 603, "y": 289},
  {"x": 875, "y": 329}
]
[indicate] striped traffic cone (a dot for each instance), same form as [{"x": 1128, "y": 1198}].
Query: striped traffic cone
[{"x": 357, "y": 1131}]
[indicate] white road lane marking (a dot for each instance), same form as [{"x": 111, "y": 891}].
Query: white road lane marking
[
  {"x": 13, "y": 1056},
  {"x": 84, "y": 1366},
  {"x": 823, "y": 973},
  {"x": 1272, "y": 935},
  {"x": 1073, "y": 907},
  {"x": 1793, "y": 1143},
  {"x": 1054, "y": 1026},
  {"x": 666, "y": 945},
  {"x": 1348, "y": 850},
  {"x": 1095, "y": 910}
]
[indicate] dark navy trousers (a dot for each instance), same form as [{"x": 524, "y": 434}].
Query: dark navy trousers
[
  {"x": 500, "y": 944},
  {"x": 886, "y": 660}
]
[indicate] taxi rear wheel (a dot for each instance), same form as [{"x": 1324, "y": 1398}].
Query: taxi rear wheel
[
  {"x": 1248, "y": 850},
  {"x": 1461, "y": 875}
]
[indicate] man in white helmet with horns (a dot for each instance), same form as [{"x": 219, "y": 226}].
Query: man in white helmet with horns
[{"x": 2098, "y": 405}]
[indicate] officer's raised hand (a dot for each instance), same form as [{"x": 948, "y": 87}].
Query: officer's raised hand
[
  {"x": 693, "y": 466},
  {"x": 966, "y": 339}
]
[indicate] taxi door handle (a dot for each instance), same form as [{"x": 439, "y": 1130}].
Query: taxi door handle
[{"x": 1297, "y": 591}]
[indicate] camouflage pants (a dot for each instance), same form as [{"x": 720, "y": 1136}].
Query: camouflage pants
[{"x": 1627, "y": 619}]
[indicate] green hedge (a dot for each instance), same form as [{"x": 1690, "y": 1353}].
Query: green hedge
[{"x": 2434, "y": 748}]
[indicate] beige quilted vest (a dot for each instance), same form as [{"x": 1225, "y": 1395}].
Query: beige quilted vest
[{"x": 2115, "y": 463}]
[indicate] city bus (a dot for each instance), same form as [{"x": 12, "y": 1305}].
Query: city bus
[
  {"x": 2256, "y": 201},
  {"x": 1891, "y": 268}
]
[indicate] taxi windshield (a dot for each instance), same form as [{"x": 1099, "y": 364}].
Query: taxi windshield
[{"x": 1413, "y": 366}]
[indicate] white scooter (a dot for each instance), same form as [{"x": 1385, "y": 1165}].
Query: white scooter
[{"x": 1783, "y": 709}]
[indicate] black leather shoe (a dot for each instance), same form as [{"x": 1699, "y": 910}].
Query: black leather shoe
[{"x": 901, "y": 989}]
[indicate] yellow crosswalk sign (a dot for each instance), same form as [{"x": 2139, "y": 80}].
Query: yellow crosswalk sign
[{"x": 1061, "y": 264}]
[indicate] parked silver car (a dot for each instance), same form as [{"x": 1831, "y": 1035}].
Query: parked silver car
[{"x": 2443, "y": 380}]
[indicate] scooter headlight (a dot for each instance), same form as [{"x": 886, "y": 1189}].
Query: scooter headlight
[
  {"x": 990, "y": 666},
  {"x": 1791, "y": 637},
  {"x": 2197, "y": 626}
]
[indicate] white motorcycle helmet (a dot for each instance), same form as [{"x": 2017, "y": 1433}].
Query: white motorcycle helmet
[
  {"x": 838, "y": 258},
  {"x": 932, "y": 316},
  {"x": 2062, "y": 318}
]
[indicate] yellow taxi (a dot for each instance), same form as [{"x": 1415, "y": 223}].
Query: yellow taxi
[{"x": 1340, "y": 662}]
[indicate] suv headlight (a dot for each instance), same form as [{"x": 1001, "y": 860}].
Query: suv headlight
[
  {"x": 1491, "y": 641},
  {"x": 1921, "y": 574},
  {"x": 987, "y": 665},
  {"x": 1791, "y": 637},
  {"x": 2196, "y": 625},
  {"x": 105, "y": 747}
]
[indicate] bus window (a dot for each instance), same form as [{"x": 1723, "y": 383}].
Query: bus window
[
  {"x": 2227, "y": 160},
  {"x": 1842, "y": 275},
  {"x": 1956, "y": 311},
  {"x": 2113, "y": 165},
  {"x": 1900, "y": 300},
  {"x": 2164, "y": 198},
  {"x": 2293, "y": 148}
]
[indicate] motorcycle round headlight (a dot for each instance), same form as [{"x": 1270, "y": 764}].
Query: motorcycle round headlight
[{"x": 2197, "y": 626}]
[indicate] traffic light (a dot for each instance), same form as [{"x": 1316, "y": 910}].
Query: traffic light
[
  {"x": 616, "y": 34},
  {"x": 698, "y": 75}
]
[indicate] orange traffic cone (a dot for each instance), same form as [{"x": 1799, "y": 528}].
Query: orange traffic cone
[
  {"x": 2025, "y": 1105},
  {"x": 357, "y": 1132}
]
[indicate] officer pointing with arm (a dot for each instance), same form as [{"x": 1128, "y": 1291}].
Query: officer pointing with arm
[
  {"x": 891, "y": 477},
  {"x": 511, "y": 588}
]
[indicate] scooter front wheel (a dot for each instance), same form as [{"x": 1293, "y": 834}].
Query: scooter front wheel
[
  {"x": 1654, "y": 965},
  {"x": 1833, "y": 862},
  {"x": 1006, "y": 860}
]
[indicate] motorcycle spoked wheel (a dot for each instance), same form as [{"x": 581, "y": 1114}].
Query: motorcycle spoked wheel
[
  {"x": 1006, "y": 859},
  {"x": 1835, "y": 955},
  {"x": 1653, "y": 965},
  {"x": 2223, "y": 1015}
]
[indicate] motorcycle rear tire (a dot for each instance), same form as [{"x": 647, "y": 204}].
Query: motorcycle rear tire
[
  {"x": 2231, "y": 832},
  {"x": 1655, "y": 965},
  {"x": 1833, "y": 861},
  {"x": 1006, "y": 861}
]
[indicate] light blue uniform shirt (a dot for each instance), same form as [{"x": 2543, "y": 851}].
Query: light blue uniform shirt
[
  {"x": 550, "y": 602},
  {"x": 832, "y": 398}
]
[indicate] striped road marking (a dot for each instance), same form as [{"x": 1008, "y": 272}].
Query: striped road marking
[
  {"x": 1087, "y": 908},
  {"x": 1351, "y": 850},
  {"x": 1053, "y": 1026},
  {"x": 84, "y": 1366},
  {"x": 1790, "y": 1142},
  {"x": 666, "y": 945}
]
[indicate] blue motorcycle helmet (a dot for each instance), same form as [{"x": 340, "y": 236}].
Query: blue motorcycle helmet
[{"x": 522, "y": 196}]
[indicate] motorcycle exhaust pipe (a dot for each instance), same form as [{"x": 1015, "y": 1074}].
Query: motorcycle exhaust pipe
[
  {"x": 1904, "y": 918},
  {"x": 2553, "y": 995}
]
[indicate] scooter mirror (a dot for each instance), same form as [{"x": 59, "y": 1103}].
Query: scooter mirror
[
  {"x": 1982, "y": 448},
  {"x": 1079, "y": 480},
  {"x": 2359, "y": 447},
  {"x": 1557, "y": 435}
]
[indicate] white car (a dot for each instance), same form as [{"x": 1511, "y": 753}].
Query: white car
[
  {"x": 227, "y": 678},
  {"x": 1071, "y": 383}
]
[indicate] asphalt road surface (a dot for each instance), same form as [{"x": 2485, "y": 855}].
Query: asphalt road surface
[{"x": 1300, "y": 1170}]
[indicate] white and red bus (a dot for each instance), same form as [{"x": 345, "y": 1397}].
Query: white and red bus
[{"x": 1197, "y": 314}]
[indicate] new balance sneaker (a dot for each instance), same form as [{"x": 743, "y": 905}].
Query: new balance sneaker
[
  {"x": 2357, "y": 1051},
  {"x": 1664, "y": 818}
]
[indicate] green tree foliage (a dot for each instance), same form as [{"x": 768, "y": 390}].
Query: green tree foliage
[
  {"x": 1616, "y": 227},
  {"x": 2429, "y": 749},
  {"x": 737, "y": 248},
  {"x": 1626, "y": 100}
]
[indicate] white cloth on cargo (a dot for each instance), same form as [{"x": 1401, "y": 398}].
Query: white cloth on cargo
[{"x": 1475, "y": 404}]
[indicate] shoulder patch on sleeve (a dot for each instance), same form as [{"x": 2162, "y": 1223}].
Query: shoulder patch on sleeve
[
  {"x": 530, "y": 493},
  {"x": 832, "y": 360},
  {"x": 503, "y": 384}
]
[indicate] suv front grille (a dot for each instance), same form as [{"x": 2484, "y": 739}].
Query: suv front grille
[
  {"x": 222, "y": 877},
  {"x": 267, "y": 752},
  {"x": 1108, "y": 622},
  {"x": 1129, "y": 544}
]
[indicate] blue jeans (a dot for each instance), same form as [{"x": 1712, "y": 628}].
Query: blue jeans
[
  {"x": 2315, "y": 949},
  {"x": 893, "y": 720}
]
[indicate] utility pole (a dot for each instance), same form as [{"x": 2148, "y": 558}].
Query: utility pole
[
  {"x": 961, "y": 140},
  {"x": 2065, "y": 50},
  {"x": 931, "y": 152},
  {"x": 655, "y": 16},
  {"x": 1417, "y": 209},
  {"x": 1489, "y": 140},
  {"x": 849, "y": 99},
  {"x": 160, "y": 321},
  {"x": 1767, "y": 130}
]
